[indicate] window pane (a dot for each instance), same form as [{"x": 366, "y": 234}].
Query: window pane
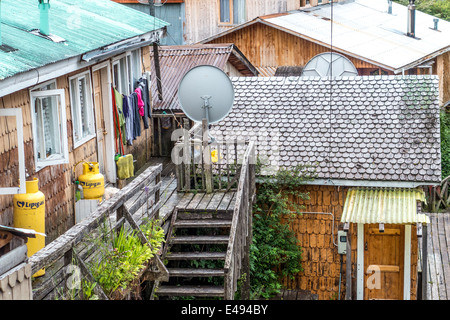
[
  {"x": 224, "y": 10},
  {"x": 136, "y": 62},
  {"x": 238, "y": 11},
  {"x": 84, "y": 107},
  {"x": 75, "y": 110},
  {"x": 123, "y": 77},
  {"x": 47, "y": 118}
]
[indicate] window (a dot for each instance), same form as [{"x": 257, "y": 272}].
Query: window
[
  {"x": 82, "y": 108},
  {"x": 232, "y": 11},
  {"x": 49, "y": 126},
  {"x": 127, "y": 71}
]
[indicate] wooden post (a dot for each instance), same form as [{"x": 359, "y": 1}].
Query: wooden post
[
  {"x": 207, "y": 158},
  {"x": 157, "y": 193},
  {"x": 424, "y": 261},
  {"x": 186, "y": 158},
  {"x": 348, "y": 269}
]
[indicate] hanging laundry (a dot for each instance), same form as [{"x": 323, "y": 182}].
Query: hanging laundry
[
  {"x": 143, "y": 84},
  {"x": 129, "y": 115},
  {"x": 136, "y": 118},
  {"x": 119, "y": 107},
  {"x": 140, "y": 102}
]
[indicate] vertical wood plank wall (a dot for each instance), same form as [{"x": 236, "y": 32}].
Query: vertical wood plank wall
[
  {"x": 265, "y": 46},
  {"x": 56, "y": 181},
  {"x": 320, "y": 260}
]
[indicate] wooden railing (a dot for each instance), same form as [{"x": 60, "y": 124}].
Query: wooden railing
[
  {"x": 237, "y": 263},
  {"x": 207, "y": 167},
  {"x": 438, "y": 197},
  {"x": 62, "y": 252}
]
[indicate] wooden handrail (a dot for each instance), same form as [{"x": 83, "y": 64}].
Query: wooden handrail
[{"x": 241, "y": 225}]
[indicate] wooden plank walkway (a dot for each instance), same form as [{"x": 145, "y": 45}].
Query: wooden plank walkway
[
  {"x": 438, "y": 257},
  {"x": 171, "y": 198}
]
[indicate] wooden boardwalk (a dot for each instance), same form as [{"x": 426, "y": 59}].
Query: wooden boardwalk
[
  {"x": 438, "y": 287},
  {"x": 171, "y": 198}
]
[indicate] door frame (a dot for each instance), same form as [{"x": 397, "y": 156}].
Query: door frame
[
  {"x": 110, "y": 166},
  {"x": 360, "y": 285}
]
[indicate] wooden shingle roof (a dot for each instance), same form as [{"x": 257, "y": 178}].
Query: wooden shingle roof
[{"x": 382, "y": 128}]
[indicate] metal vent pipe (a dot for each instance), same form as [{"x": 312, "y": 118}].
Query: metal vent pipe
[
  {"x": 44, "y": 25},
  {"x": 411, "y": 19}
]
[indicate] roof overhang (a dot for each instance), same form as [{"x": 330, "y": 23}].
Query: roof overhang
[
  {"x": 383, "y": 206},
  {"x": 262, "y": 20},
  {"x": 51, "y": 71},
  {"x": 371, "y": 183}
]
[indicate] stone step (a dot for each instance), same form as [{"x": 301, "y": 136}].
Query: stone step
[
  {"x": 195, "y": 272},
  {"x": 199, "y": 240},
  {"x": 197, "y": 291}
]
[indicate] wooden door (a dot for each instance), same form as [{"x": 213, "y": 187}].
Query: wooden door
[
  {"x": 383, "y": 262},
  {"x": 100, "y": 82}
]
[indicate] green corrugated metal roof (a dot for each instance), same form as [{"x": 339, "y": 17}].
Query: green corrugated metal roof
[
  {"x": 383, "y": 205},
  {"x": 86, "y": 25}
]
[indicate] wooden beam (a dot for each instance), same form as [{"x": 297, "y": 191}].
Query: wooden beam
[{"x": 425, "y": 262}]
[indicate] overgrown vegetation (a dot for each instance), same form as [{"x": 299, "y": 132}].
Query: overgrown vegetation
[
  {"x": 445, "y": 144},
  {"x": 437, "y": 8},
  {"x": 275, "y": 252},
  {"x": 123, "y": 256}
]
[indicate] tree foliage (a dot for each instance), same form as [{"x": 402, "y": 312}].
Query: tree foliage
[
  {"x": 275, "y": 252},
  {"x": 437, "y": 8}
]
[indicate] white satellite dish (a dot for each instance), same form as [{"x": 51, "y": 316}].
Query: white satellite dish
[
  {"x": 206, "y": 92},
  {"x": 329, "y": 64}
]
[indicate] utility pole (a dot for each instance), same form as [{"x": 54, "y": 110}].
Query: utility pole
[{"x": 156, "y": 55}]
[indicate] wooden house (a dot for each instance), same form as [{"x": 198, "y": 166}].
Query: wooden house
[
  {"x": 193, "y": 20},
  {"x": 372, "y": 35},
  {"x": 373, "y": 142},
  {"x": 58, "y": 68},
  {"x": 174, "y": 62}
]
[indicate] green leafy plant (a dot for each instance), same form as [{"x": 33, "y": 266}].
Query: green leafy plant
[
  {"x": 445, "y": 144},
  {"x": 275, "y": 252},
  {"x": 125, "y": 256}
]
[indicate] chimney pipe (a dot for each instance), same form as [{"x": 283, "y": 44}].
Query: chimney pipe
[
  {"x": 390, "y": 6},
  {"x": 435, "y": 20},
  {"x": 44, "y": 6},
  {"x": 411, "y": 19}
]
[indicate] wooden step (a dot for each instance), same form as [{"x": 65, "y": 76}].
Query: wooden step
[
  {"x": 196, "y": 256},
  {"x": 197, "y": 291},
  {"x": 199, "y": 240},
  {"x": 195, "y": 272},
  {"x": 203, "y": 223}
]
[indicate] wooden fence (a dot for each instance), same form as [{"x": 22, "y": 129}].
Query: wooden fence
[
  {"x": 57, "y": 256},
  {"x": 207, "y": 166},
  {"x": 438, "y": 197}
]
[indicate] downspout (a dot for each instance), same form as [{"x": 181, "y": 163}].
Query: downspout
[{"x": 44, "y": 26}]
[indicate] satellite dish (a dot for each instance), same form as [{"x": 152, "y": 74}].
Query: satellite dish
[
  {"x": 206, "y": 92},
  {"x": 329, "y": 64}
]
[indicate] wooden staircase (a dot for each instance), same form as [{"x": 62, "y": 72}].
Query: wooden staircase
[{"x": 196, "y": 249}]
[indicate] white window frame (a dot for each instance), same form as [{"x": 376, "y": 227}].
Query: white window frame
[
  {"x": 60, "y": 94},
  {"x": 17, "y": 113},
  {"x": 129, "y": 69},
  {"x": 76, "y": 108}
]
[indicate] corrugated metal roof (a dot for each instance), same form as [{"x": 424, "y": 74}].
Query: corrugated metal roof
[
  {"x": 363, "y": 29},
  {"x": 380, "y": 205},
  {"x": 85, "y": 25},
  {"x": 175, "y": 61}
]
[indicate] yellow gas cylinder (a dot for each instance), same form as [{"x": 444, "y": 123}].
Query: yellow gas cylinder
[
  {"x": 92, "y": 181},
  {"x": 29, "y": 213}
]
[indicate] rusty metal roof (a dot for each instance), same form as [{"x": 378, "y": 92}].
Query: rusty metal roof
[{"x": 175, "y": 61}]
